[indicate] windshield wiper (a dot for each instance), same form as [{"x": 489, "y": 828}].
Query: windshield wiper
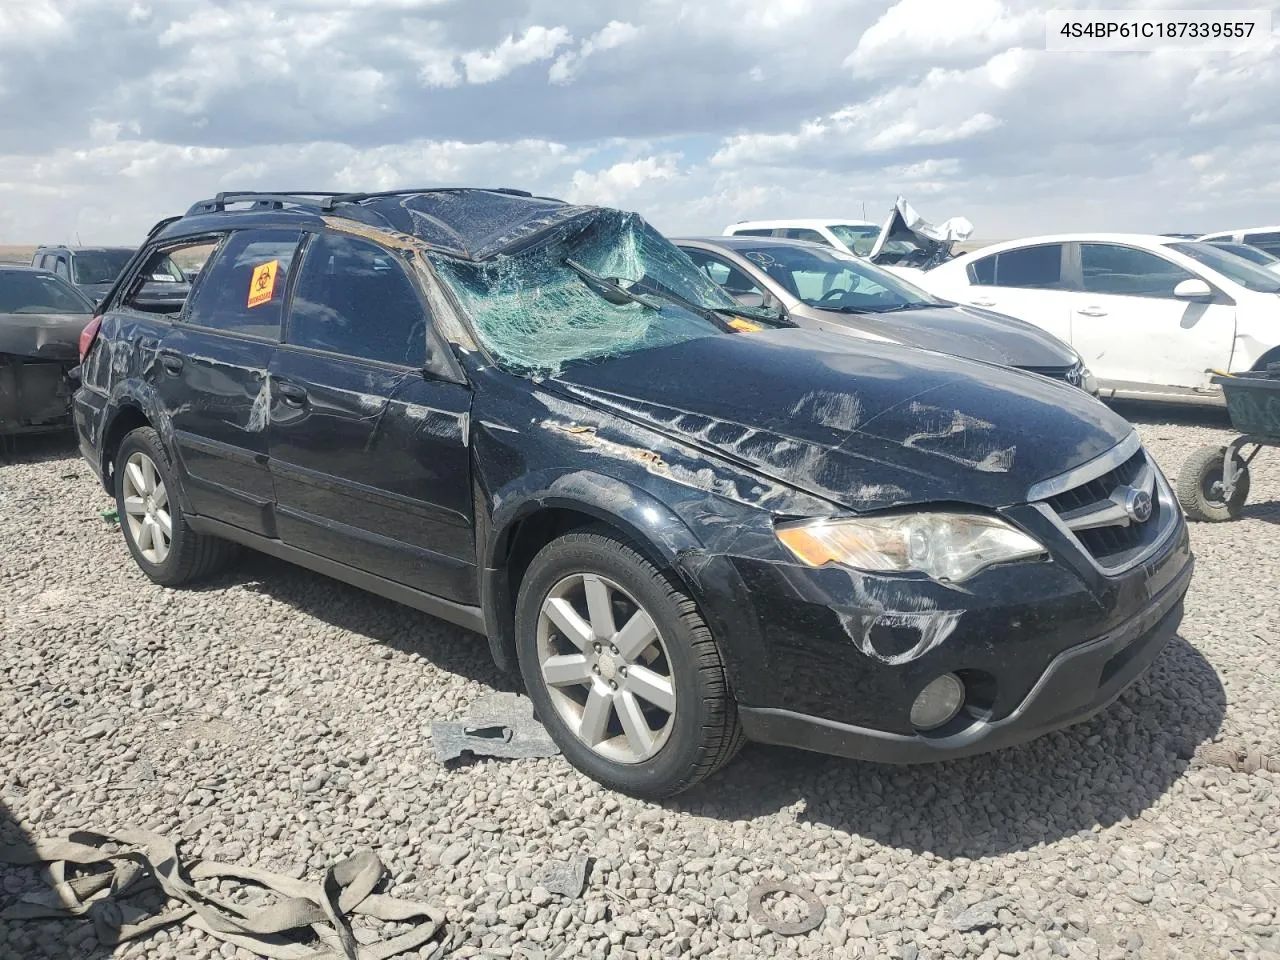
[
  {"x": 754, "y": 314},
  {"x": 608, "y": 289}
]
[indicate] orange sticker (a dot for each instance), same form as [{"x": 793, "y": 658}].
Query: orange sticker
[
  {"x": 745, "y": 326},
  {"x": 262, "y": 286}
]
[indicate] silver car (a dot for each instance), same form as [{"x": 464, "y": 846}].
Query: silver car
[{"x": 820, "y": 288}]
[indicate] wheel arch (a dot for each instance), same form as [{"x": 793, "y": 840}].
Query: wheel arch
[
  {"x": 133, "y": 404},
  {"x": 125, "y": 417},
  {"x": 547, "y": 507}
]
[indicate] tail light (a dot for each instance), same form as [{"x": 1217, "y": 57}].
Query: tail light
[{"x": 88, "y": 335}]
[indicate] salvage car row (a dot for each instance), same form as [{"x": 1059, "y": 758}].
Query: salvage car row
[{"x": 1152, "y": 316}]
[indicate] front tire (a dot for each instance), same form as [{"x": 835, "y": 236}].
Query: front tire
[
  {"x": 1200, "y": 486},
  {"x": 155, "y": 529},
  {"x": 622, "y": 669}
]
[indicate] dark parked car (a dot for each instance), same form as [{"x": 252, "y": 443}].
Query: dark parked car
[
  {"x": 95, "y": 269},
  {"x": 534, "y": 419},
  {"x": 41, "y": 318},
  {"x": 823, "y": 289}
]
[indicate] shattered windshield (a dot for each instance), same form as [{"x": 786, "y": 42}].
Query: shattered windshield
[{"x": 598, "y": 287}]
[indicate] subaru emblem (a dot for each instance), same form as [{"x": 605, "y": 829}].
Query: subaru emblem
[{"x": 1137, "y": 504}]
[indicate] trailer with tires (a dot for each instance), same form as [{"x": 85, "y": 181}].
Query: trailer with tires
[{"x": 1213, "y": 484}]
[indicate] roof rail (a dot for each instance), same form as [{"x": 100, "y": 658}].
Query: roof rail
[
  {"x": 334, "y": 199},
  {"x": 325, "y": 199},
  {"x": 266, "y": 200}
]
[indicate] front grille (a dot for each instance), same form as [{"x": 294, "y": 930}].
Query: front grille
[
  {"x": 1104, "y": 512},
  {"x": 1115, "y": 546},
  {"x": 1100, "y": 488}
]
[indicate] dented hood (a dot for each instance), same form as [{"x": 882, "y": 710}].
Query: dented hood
[
  {"x": 50, "y": 336},
  {"x": 866, "y": 425}
]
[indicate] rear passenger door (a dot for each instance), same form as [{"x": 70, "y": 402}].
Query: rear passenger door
[
  {"x": 1029, "y": 283},
  {"x": 370, "y": 424},
  {"x": 213, "y": 376}
]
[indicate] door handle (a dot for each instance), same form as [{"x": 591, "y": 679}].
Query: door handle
[
  {"x": 983, "y": 303},
  {"x": 1092, "y": 312},
  {"x": 171, "y": 362},
  {"x": 291, "y": 393}
]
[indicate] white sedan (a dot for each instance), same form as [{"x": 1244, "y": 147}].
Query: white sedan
[{"x": 1151, "y": 316}]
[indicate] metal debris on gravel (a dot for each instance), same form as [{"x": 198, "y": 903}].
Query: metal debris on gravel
[
  {"x": 498, "y": 725},
  {"x": 764, "y": 915},
  {"x": 563, "y": 877},
  {"x": 1113, "y": 839}
]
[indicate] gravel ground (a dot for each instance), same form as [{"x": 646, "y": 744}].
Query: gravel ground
[{"x": 285, "y": 720}]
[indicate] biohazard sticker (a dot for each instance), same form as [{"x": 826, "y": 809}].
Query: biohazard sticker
[{"x": 262, "y": 286}]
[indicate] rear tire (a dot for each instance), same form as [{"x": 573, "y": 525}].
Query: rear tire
[
  {"x": 650, "y": 713},
  {"x": 155, "y": 529},
  {"x": 1200, "y": 486}
]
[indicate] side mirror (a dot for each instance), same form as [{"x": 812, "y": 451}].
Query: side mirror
[{"x": 1193, "y": 289}]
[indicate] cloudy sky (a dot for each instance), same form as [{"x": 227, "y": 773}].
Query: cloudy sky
[{"x": 114, "y": 113}]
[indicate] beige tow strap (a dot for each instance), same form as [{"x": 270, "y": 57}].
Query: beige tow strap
[{"x": 146, "y": 860}]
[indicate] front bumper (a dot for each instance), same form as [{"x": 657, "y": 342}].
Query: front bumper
[{"x": 1078, "y": 682}]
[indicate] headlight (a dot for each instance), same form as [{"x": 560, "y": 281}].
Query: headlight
[
  {"x": 939, "y": 544},
  {"x": 1088, "y": 382}
]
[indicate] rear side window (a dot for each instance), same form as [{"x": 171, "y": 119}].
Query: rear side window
[
  {"x": 242, "y": 290},
  {"x": 61, "y": 268},
  {"x": 1269, "y": 242},
  {"x": 1128, "y": 272},
  {"x": 353, "y": 298},
  {"x": 1039, "y": 266}
]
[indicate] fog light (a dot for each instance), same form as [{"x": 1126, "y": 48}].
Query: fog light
[{"x": 938, "y": 702}]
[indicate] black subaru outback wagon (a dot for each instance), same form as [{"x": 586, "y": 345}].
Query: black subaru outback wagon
[{"x": 541, "y": 422}]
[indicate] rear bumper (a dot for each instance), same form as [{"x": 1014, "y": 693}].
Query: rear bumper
[
  {"x": 88, "y": 414},
  {"x": 1077, "y": 684}
]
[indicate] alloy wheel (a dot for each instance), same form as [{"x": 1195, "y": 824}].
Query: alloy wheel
[
  {"x": 146, "y": 508},
  {"x": 606, "y": 668}
]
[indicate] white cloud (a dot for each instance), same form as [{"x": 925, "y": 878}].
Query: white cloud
[
  {"x": 114, "y": 189},
  {"x": 616, "y": 184},
  {"x": 26, "y": 23},
  {"x": 615, "y": 34},
  {"x": 695, "y": 114},
  {"x": 915, "y": 32},
  {"x": 536, "y": 43}
]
